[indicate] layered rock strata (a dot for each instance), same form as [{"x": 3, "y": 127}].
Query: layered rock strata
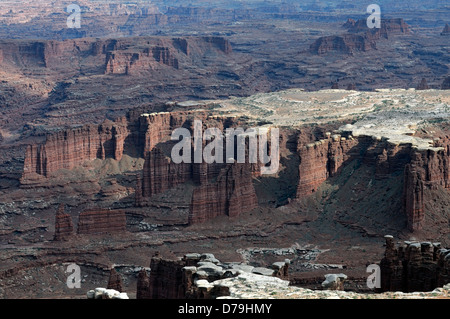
[
  {"x": 321, "y": 160},
  {"x": 427, "y": 169},
  {"x": 98, "y": 221},
  {"x": 420, "y": 168},
  {"x": 63, "y": 225},
  {"x": 232, "y": 194},
  {"x": 115, "y": 281},
  {"x": 70, "y": 148},
  {"x": 360, "y": 37},
  {"x": 414, "y": 266}
]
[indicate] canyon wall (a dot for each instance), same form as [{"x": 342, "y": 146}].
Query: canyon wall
[
  {"x": 321, "y": 160},
  {"x": 118, "y": 56},
  {"x": 98, "y": 221},
  {"x": 63, "y": 225},
  {"x": 70, "y": 148},
  {"x": 420, "y": 168},
  {"x": 414, "y": 266},
  {"x": 161, "y": 174},
  {"x": 428, "y": 169},
  {"x": 232, "y": 194},
  {"x": 346, "y": 43}
]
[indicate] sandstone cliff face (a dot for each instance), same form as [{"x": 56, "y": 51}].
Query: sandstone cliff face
[
  {"x": 166, "y": 280},
  {"x": 100, "y": 221},
  {"x": 221, "y": 43},
  {"x": 420, "y": 168},
  {"x": 232, "y": 194},
  {"x": 119, "y": 56},
  {"x": 414, "y": 266},
  {"x": 70, "y": 148},
  {"x": 160, "y": 174},
  {"x": 388, "y": 27},
  {"x": 346, "y": 43},
  {"x": 360, "y": 37},
  {"x": 429, "y": 169},
  {"x": 63, "y": 225},
  {"x": 413, "y": 200},
  {"x": 321, "y": 160}
]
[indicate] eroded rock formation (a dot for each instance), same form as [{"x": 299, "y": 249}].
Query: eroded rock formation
[
  {"x": 232, "y": 194},
  {"x": 115, "y": 281},
  {"x": 98, "y": 221},
  {"x": 430, "y": 169},
  {"x": 70, "y": 148},
  {"x": 360, "y": 37},
  {"x": 420, "y": 168},
  {"x": 161, "y": 174},
  {"x": 196, "y": 276},
  {"x": 414, "y": 266},
  {"x": 63, "y": 225},
  {"x": 321, "y": 160},
  {"x": 346, "y": 43}
]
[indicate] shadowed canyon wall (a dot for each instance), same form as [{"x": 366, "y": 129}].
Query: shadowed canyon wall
[{"x": 414, "y": 266}]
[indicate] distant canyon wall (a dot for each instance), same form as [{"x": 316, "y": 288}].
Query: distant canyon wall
[
  {"x": 359, "y": 37},
  {"x": 117, "y": 56}
]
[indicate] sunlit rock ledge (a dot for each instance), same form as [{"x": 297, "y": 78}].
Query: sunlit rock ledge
[{"x": 391, "y": 114}]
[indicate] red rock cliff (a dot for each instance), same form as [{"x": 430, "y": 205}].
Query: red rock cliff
[
  {"x": 101, "y": 221},
  {"x": 320, "y": 160},
  {"x": 161, "y": 174},
  {"x": 414, "y": 266},
  {"x": 232, "y": 194},
  {"x": 70, "y": 148},
  {"x": 422, "y": 169},
  {"x": 428, "y": 169},
  {"x": 346, "y": 43},
  {"x": 63, "y": 225}
]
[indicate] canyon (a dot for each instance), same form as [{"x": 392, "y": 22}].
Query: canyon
[{"x": 87, "y": 174}]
